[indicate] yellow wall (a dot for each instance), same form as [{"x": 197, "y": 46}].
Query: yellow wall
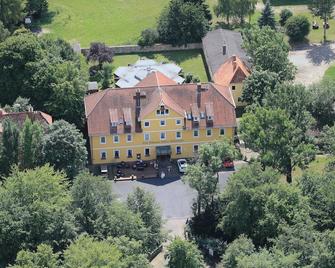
[
  {"x": 138, "y": 145},
  {"x": 237, "y": 93}
]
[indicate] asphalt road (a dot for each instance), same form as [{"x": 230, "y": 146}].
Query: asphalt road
[{"x": 174, "y": 197}]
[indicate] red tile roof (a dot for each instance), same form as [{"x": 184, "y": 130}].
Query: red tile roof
[
  {"x": 234, "y": 70},
  {"x": 156, "y": 79},
  {"x": 20, "y": 117},
  {"x": 180, "y": 98}
]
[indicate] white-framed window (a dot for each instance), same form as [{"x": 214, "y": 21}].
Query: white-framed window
[
  {"x": 178, "y": 122},
  {"x": 195, "y": 148},
  {"x": 202, "y": 115},
  {"x": 146, "y": 124},
  {"x": 147, "y": 136},
  {"x": 195, "y": 118},
  {"x": 162, "y": 123},
  {"x": 129, "y": 138},
  {"x": 116, "y": 138},
  {"x": 166, "y": 111},
  {"x": 178, "y": 135},
  {"x": 130, "y": 153},
  {"x": 114, "y": 124},
  {"x": 103, "y": 140},
  {"x": 221, "y": 131},
  {"x": 209, "y": 118},
  {"x": 103, "y": 155},
  {"x": 233, "y": 87},
  {"x": 158, "y": 112},
  {"x": 178, "y": 150},
  {"x": 163, "y": 136},
  {"x": 116, "y": 154},
  {"x": 208, "y": 132},
  {"x": 196, "y": 133},
  {"x": 147, "y": 152}
]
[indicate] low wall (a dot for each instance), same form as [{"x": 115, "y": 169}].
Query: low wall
[{"x": 129, "y": 49}]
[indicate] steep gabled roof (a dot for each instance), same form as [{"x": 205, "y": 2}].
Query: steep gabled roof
[
  {"x": 156, "y": 79},
  {"x": 234, "y": 70}
]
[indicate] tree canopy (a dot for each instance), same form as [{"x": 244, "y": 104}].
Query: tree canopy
[
  {"x": 269, "y": 51},
  {"x": 267, "y": 17},
  {"x": 181, "y": 23},
  {"x": 63, "y": 147}
]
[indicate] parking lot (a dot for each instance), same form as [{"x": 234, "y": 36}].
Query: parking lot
[{"x": 174, "y": 197}]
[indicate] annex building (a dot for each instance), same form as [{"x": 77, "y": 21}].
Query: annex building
[{"x": 157, "y": 119}]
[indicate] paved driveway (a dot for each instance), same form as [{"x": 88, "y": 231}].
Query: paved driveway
[
  {"x": 312, "y": 61},
  {"x": 174, "y": 197}
]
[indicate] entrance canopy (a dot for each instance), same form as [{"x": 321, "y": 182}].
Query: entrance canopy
[{"x": 163, "y": 150}]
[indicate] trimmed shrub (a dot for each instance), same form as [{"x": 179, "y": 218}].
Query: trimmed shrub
[
  {"x": 148, "y": 38},
  {"x": 297, "y": 28}
]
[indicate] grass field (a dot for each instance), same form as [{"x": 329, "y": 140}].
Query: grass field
[
  {"x": 121, "y": 21},
  {"x": 330, "y": 73},
  {"x": 110, "y": 21},
  {"x": 190, "y": 61},
  {"x": 317, "y": 166}
]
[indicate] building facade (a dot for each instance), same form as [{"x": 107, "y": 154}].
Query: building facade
[{"x": 157, "y": 121}]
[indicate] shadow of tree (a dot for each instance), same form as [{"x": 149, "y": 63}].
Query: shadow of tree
[
  {"x": 321, "y": 53},
  {"x": 46, "y": 19}
]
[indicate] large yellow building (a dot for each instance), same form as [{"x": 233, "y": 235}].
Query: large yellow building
[{"x": 157, "y": 119}]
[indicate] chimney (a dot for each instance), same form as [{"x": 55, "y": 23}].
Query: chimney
[
  {"x": 234, "y": 62},
  {"x": 224, "y": 50},
  {"x": 199, "y": 94}
]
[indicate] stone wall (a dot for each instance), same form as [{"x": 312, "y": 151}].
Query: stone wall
[{"x": 128, "y": 49}]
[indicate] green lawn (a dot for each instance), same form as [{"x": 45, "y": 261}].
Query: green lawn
[
  {"x": 317, "y": 166},
  {"x": 330, "y": 73},
  {"x": 190, "y": 61},
  {"x": 110, "y": 21}
]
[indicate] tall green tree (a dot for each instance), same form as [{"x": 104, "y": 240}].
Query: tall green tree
[
  {"x": 4, "y": 33},
  {"x": 144, "y": 204},
  {"x": 255, "y": 202},
  {"x": 11, "y": 12},
  {"x": 202, "y": 176},
  {"x": 107, "y": 75},
  {"x": 184, "y": 254},
  {"x": 34, "y": 209},
  {"x": 37, "y": 8},
  {"x": 294, "y": 99},
  {"x": 277, "y": 139},
  {"x": 297, "y": 28},
  {"x": 225, "y": 9},
  {"x": 181, "y": 23},
  {"x": 242, "y": 246},
  {"x": 86, "y": 252},
  {"x": 63, "y": 147},
  {"x": 322, "y": 104},
  {"x": 324, "y": 9},
  {"x": 90, "y": 194},
  {"x": 10, "y": 146},
  {"x": 267, "y": 17},
  {"x": 43, "y": 257},
  {"x": 328, "y": 139},
  {"x": 320, "y": 192},
  {"x": 30, "y": 144},
  {"x": 257, "y": 85},
  {"x": 269, "y": 51}
]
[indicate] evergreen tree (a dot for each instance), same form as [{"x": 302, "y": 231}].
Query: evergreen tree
[
  {"x": 30, "y": 140},
  {"x": 267, "y": 18},
  {"x": 10, "y": 146}
]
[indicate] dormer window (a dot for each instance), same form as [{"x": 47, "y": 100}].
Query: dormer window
[
  {"x": 202, "y": 115},
  {"x": 189, "y": 117},
  {"x": 114, "y": 124},
  {"x": 195, "y": 118},
  {"x": 209, "y": 118}
]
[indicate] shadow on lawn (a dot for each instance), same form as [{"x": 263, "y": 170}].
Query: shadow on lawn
[
  {"x": 46, "y": 19},
  {"x": 321, "y": 53}
]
